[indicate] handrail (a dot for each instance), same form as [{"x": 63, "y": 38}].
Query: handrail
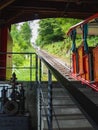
[
  {"x": 45, "y": 109},
  {"x": 7, "y": 65}
]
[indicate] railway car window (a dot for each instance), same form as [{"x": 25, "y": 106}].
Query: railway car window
[
  {"x": 89, "y": 33},
  {"x": 93, "y": 33}
]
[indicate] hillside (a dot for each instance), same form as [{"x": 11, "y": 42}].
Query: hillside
[{"x": 60, "y": 50}]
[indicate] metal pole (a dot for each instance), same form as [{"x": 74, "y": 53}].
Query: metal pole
[
  {"x": 40, "y": 97},
  {"x": 39, "y": 109},
  {"x": 40, "y": 70},
  {"x": 36, "y": 68},
  {"x": 30, "y": 67},
  {"x": 40, "y": 112},
  {"x": 49, "y": 100}
]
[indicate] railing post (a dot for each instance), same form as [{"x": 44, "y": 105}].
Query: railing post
[
  {"x": 30, "y": 67},
  {"x": 49, "y": 100},
  {"x": 36, "y": 68},
  {"x": 38, "y": 79},
  {"x": 39, "y": 109},
  {"x": 40, "y": 70}
]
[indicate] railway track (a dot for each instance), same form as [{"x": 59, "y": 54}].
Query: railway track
[
  {"x": 62, "y": 68},
  {"x": 86, "y": 98}
]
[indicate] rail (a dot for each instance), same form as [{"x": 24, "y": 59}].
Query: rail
[{"x": 26, "y": 71}]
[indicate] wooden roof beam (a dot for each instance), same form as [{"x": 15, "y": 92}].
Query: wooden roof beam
[
  {"x": 74, "y": 1},
  {"x": 18, "y": 14},
  {"x": 5, "y": 3}
]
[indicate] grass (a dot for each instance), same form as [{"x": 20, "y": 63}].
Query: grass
[
  {"x": 60, "y": 50},
  {"x": 25, "y": 73}
]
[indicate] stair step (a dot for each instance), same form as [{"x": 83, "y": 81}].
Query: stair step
[
  {"x": 69, "y": 124},
  {"x": 65, "y": 111}
]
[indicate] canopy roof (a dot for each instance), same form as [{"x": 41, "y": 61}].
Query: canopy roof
[{"x": 15, "y": 11}]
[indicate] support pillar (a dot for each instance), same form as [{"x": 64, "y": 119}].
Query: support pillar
[
  {"x": 36, "y": 69},
  {"x": 40, "y": 70},
  {"x": 49, "y": 100},
  {"x": 3, "y": 50},
  {"x": 39, "y": 109}
]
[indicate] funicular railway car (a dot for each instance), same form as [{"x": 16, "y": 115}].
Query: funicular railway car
[{"x": 85, "y": 56}]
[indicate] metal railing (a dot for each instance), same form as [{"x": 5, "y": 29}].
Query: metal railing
[
  {"x": 46, "y": 106},
  {"x": 24, "y": 64},
  {"x": 42, "y": 102}
]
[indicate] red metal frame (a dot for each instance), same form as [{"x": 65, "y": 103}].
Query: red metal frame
[
  {"x": 84, "y": 71},
  {"x": 82, "y": 23},
  {"x": 3, "y": 48},
  {"x": 91, "y": 85}
]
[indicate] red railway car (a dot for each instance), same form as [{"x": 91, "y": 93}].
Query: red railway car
[
  {"x": 5, "y": 59},
  {"x": 85, "y": 56}
]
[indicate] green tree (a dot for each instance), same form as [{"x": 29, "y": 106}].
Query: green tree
[
  {"x": 21, "y": 35},
  {"x": 15, "y": 33},
  {"x": 25, "y": 36},
  {"x": 54, "y": 29},
  {"x": 49, "y": 31},
  {"x": 25, "y": 32}
]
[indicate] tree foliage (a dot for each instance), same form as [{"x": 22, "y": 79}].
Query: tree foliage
[
  {"x": 49, "y": 31},
  {"x": 21, "y": 35},
  {"x": 25, "y": 32},
  {"x": 53, "y": 29}
]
